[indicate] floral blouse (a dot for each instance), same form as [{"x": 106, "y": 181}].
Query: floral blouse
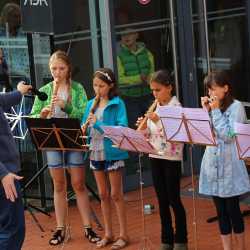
[{"x": 167, "y": 150}]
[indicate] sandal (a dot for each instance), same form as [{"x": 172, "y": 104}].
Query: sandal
[
  {"x": 104, "y": 242},
  {"x": 91, "y": 235},
  {"x": 57, "y": 237},
  {"x": 120, "y": 243}
]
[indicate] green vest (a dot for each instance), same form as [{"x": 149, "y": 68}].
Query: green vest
[{"x": 135, "y": 63}]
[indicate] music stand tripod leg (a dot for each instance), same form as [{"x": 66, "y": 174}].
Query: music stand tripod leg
[
  {"x": 38, "y": 209},
  {"x": 93, "y": 214},
  {"x": 27, "y": 205},
  {"x": 193, "y": 197},
  {"x": 145, "y": 243},
  {"x": 93, "y": 192},
  {"x": 34, "y": 218},
  {"x": 96, "y": 220},
  {"x": 26, "y": 186}
]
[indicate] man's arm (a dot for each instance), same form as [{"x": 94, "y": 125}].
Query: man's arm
[
  {"x": 13, "y": 98},
  {"x": 9, "y": 186},
  {"x": 8, "y": 182},
  {"x": 10, "y": 99}
]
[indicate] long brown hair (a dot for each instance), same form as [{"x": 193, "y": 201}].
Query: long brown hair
[
  {"x": 108, "y": 76},
  {"x": 221, "y": 79}
]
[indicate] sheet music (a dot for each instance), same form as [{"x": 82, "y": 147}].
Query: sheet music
[
  {"x": 196, "y": 113},
  {"x": 128, "y": 139},
  {"x": 242, "y": 139},
  {"x": 241, "y": 128},
  {"x": 174, "y": 130},
  {"x": 174, "y": 112},
  {"x": 201, "y": 132},
  {"x": 188, "y": 125}
]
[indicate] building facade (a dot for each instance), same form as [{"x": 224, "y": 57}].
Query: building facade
[{"x": 187, "y": 37}]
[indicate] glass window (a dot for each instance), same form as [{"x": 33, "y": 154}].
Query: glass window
[
  {"x": 78, "y": 44},
  {"x": 13, "y": 42},
  {"x": 227, "y": 39},
  {"x": 14, "y": 68},
  {"x": 143, "y": 46}
]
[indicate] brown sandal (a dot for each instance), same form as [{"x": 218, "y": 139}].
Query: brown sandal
[
  {"x": 104, "y": 242},
  {"x": 120, "y": 243}
]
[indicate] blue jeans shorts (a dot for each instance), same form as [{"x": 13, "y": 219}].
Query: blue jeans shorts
[{"x": 58, "y": 159}]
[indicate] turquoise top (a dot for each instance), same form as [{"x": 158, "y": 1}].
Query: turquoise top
[{"x": 114, "y": 114}]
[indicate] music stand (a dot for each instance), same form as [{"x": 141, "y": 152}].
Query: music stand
[
  {"x": 242, "y": 138},
  {"x": 62, "y": 134},
  {"x": 191, "y": 126},
  {"x": 133, "y": 140},
  {"x": 242, "y": 132}
]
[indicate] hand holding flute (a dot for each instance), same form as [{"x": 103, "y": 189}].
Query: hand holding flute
[
  {"x": 91, "y": 118},
  {"x": 150, "y": 114},
  {"x": 48, "y": 111},
  {"x": 209, "y": 103}
]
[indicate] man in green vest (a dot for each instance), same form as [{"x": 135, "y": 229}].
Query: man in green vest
[{"x": 135, "y": 66}]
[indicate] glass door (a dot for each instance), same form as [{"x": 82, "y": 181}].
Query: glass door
[
  {"x": 223, "y": 29},
  {"x": 144, "y": 31}
]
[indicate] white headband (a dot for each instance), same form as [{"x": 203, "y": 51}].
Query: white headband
[{"x": 104, "y": 74}]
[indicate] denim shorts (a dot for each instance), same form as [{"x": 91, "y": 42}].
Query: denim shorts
[
  {"x": 106, "y": 165},
  {"x": 58, "y": 159}
]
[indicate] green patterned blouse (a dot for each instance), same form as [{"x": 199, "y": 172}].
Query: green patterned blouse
[{"x": 74, "y": 108}]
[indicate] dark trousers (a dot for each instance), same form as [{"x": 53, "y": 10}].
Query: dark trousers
[
  {"x": 166, "y": 178},
  {"x": 12, "y": 226},
  {"x": 229, "y": 214}
]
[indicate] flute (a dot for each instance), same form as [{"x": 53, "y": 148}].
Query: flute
[
  {"x": 145, "y": 119},
  {"x": 52, "y": 105},
  {"x": 92, "y": 111}
]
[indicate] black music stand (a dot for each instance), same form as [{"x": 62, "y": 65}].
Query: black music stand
[
  {"x": 62, "y": 134},
  {"x": 191, "y": 126},
  {"x": 133, "y": 140}
]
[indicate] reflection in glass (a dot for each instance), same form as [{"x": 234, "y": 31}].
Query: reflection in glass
[
  {"x": 227, "y": 42},
  {"x": 14, "y": 43}
]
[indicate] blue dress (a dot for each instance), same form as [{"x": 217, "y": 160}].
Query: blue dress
[{"x": 222, "y": 173}]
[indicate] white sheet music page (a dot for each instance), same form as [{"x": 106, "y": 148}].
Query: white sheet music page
[
  {"x": 199, "y": 126},
  {"x": 171, "y": 118},
  {"x": 179, "y": 123},
  {"x": 243, "y": 139},
  {"x": 128, "y": 139}
]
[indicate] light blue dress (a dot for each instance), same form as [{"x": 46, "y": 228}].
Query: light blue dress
[{"x": 222, "y": 173}]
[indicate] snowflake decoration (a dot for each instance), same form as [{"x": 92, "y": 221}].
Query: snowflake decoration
[{"x": 15, "y": 120}]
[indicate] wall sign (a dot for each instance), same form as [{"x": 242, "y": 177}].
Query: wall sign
[
  {"x": 144, "y": 2},
  {"x": 47, "y": 16}
]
